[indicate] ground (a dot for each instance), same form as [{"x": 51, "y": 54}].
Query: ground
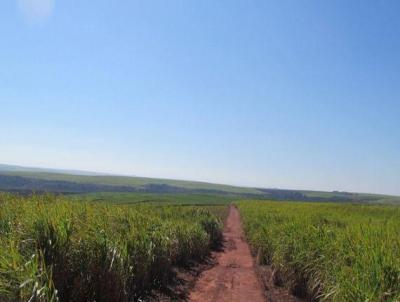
[{"x": 234, "y": 277}]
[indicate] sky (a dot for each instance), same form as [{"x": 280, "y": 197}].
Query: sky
[{"x": 279, "y": 94}]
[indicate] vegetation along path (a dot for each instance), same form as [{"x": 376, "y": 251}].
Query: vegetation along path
[{"x": 233, "y": 278}]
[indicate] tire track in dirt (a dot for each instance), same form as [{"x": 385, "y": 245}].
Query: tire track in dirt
[{"x": 233, "y": 278}]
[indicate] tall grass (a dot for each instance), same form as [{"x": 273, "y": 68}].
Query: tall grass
[
  {"x": 328, "y": 252},
  {"x": 52, "y": 249}
]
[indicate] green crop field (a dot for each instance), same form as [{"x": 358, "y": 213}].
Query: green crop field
[
  {"x": 152, "y": 198},
  {"x": 329, "y": 252},
  {"x": 55, "y": 249}
]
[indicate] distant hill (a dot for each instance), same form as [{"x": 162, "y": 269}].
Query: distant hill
[
  {"x": 26, "y": 180},
  {"x": 12, "y": 168},
  {"x": 64, "y": 181}
]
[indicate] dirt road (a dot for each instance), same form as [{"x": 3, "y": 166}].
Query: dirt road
[{"x": 234, "y": 277}]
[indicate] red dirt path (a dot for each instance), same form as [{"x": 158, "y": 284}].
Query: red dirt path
[{"x": 234, "y": 277}]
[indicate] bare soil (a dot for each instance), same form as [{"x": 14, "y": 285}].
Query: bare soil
[
  {"x": 181, "y": 282},
  {"x": 234, "y": 277}
]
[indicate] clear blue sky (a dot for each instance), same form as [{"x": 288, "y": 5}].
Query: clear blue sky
[{"x": 289, "y": 94}]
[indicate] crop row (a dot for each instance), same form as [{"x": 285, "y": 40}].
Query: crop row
[
  {"x": 328, "y": 252},
  {"x": 52, "y": 249}
]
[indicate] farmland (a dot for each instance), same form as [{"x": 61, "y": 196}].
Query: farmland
[
  {"x": 155, "y": 199},
  {"x": 55, "y": 249},
  {"x": 133, "y": 189},
  {"x": 122, "y": 238},
  {"x": 124, "y": 246},
  {"x": 328, "y": 252}
]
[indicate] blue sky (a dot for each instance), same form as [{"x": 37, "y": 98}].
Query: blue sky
[{"x": 289, "y": 94}]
